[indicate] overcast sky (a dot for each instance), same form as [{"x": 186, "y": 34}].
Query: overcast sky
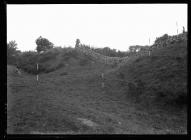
[{"x": 114, "y": 25}]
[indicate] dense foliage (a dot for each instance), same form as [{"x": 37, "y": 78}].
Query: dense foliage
[
  {"x": 28, "y": 60},
  {"x": 107, "y": 51},
  {"x": 12, "y": 52},
  {"x": 43, "y": 44}
]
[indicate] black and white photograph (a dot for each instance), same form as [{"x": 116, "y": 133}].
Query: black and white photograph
[{"x": 77, "y": 69}]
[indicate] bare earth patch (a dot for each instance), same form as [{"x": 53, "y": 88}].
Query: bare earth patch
[{"x": 87, "y": 122}]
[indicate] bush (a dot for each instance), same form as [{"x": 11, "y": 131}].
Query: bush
[
  {"x": 47, "y": 56},
  {"x": 27, "y": 61}
]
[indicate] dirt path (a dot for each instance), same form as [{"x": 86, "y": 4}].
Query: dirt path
[{"x": 73, "y": 105}]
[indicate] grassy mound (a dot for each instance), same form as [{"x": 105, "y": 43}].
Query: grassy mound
[
  {"x": 52, "y": 60},
  {"x": 161, "y": 77}
]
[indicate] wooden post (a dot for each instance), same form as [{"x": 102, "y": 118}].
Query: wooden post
[
  {"x": 37, "y": 71},
  {"x": 37, "y": 66},
  {"x": 102, "y": 78}
]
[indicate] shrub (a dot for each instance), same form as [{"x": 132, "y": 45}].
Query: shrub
[
  {"x": 27, "y": 61},
  {"x": 47, "y": 56}
]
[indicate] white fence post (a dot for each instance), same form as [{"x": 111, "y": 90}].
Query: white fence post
[
  {"x": 102, "y": 78},
  {"x": 37, "y": 71}
]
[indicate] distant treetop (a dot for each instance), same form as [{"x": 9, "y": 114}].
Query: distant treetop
[
  {"x": 77, "y": 43},
  {"x": 43, "y": 44}
]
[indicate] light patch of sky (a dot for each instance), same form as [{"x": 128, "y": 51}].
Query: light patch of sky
[{"x": 117, "y": 26}]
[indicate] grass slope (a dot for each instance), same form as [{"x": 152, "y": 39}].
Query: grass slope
[
  {"x": 72, "y": 92},
  {"x": 159, "y": 77},
  {"x": 54, "y": 104}
]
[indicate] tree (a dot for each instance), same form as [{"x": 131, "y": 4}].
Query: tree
[
  {"x": 133, "y": 48},
  {"x": 161, "y": 41},
  {"x": 12, "y": 52},
  {"x": 183, "y": 29},
  {"x": 144, "y": 48},
  {"x": 77, "y": 43},
  {"x": 85, "y": 46},
  {"x": 43, "y": 44},
  {"x": 11, "y": 47},
  {"x": 120, "y": 54},
  {"x": 106, "y": 51}
]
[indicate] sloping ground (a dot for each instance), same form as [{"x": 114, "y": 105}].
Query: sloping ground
[
  {"x": 156, "y": 84},
  {"x": 69, "y": 98},
  {"x": 71, "y": 101},
  {"x": 163, "y": 75}
]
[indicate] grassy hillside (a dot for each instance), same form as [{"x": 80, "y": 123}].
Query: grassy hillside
[
  {"x": 61, "y": 100},
  {"x": 69, "y": 97},
  {"x": 161, "y": 77}
]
